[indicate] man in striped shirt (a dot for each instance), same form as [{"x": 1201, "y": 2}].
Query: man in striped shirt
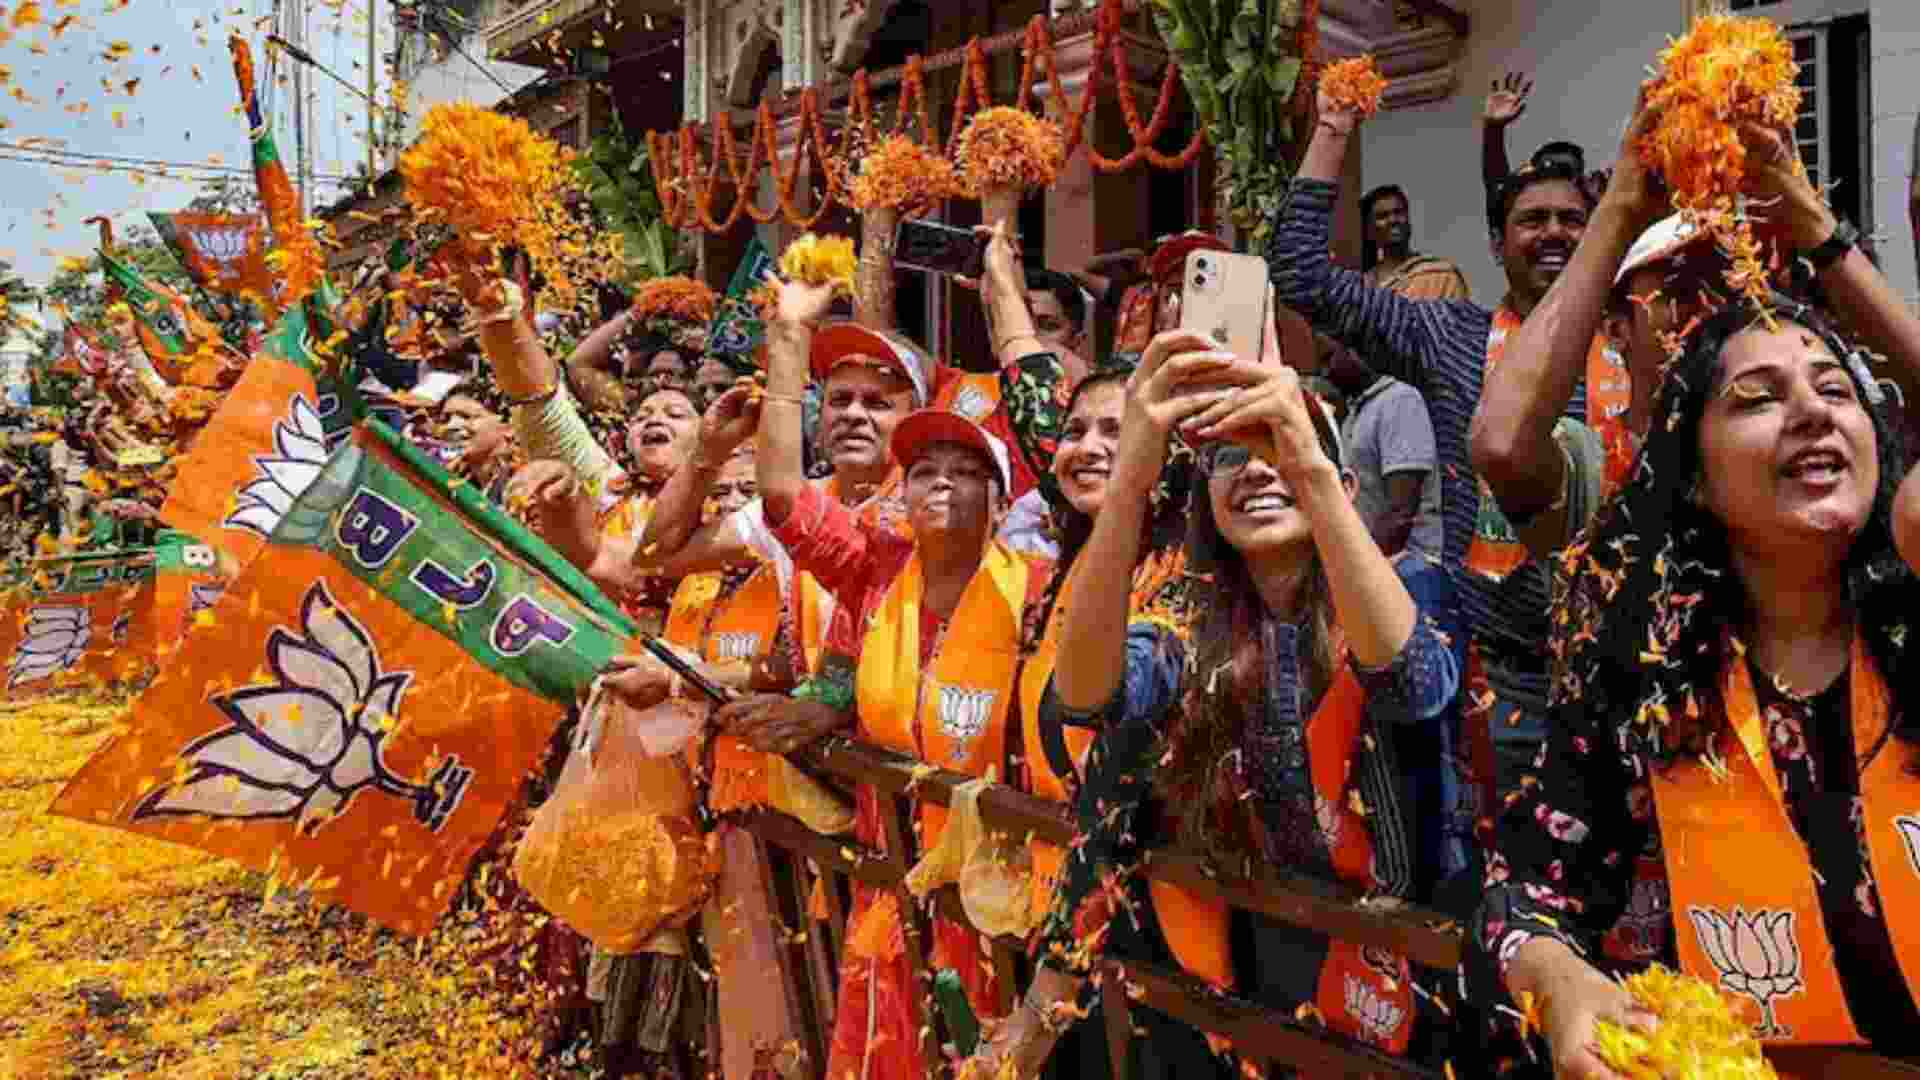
[{"x": 1444, "y": 347}]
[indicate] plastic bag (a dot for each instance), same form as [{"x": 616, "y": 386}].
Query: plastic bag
[
  {"x": 991, "y": 871},
  {"x": 618, "y": 852}
]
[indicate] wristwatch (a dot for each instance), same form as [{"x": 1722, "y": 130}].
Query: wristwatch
[{"x": 1844, "y": 239}]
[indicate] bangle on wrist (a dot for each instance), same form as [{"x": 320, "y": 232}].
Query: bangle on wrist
[
  {"x": 1343, "y": 132},
  {"x": 538, "y": 397}
]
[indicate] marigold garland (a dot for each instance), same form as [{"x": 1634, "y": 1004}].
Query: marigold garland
[
  {"x": 1354, "y": 84},
  {"x": 820, "y": 260},
  {"x": 1006, "y": 147},
  {"x": 1724, "y": 72},
  {"x": 1701, "y": 1036},
  {"x": 898, "y": 173}
]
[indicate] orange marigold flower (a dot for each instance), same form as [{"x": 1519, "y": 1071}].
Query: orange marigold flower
[
  {"x": 1008, "y": 147},
  {"x": 1724, "y": 72},
  {"x": 675, "y": 306},
  {"x": 1354, "y": 83},
  {"x": 898, "y": 173}
]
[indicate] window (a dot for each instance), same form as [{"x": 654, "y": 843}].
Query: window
[{"x": 1811, "y": 127}]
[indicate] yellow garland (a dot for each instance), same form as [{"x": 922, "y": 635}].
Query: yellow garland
[
  {"x": 1701, "y": 1036},
  {"x": 820, "y": 260},
  {"x": 1354, "y": 83},
  {"x": 1724, "y": 72},
  {"x": 1005, "y": 147}
]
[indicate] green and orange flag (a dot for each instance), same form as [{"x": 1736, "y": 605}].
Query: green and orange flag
[
  {"x": 76, "y": 621},
  {"x": 266, "y": 442},
  {"x": 374, "y": 690}
]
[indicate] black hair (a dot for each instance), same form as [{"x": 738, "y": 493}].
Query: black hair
[
  {"x": 1531, "y": 175},
  {"x": 1650, "y": 592},
  {"x": 1064, "y": 289},
  {"x": 1369, "y": 249}
]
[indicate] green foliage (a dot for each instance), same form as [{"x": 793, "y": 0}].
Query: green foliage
[
  {"x": 1240, "y": 62},
  {"x": 619, "y": 183}
]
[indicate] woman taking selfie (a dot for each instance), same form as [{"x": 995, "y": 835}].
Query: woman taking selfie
[
  {"x": 1303, "y": 641},
  {"x": 1730, "y": 738}
]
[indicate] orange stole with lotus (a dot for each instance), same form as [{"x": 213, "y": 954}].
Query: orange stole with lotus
[
  {"x": 742, "y": 628},
  {"x": 1759, "y": 934}
]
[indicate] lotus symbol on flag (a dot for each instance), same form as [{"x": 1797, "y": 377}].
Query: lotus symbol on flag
[
  {"x": 1379, "y": 1017},
  {"x": 55, "y": 639},
  {"x": 1757, "y": 955},
  {"x": 305, "y": 745},
  {"x": 224, "y": 246},
  {"x": 300, "y": 452}
]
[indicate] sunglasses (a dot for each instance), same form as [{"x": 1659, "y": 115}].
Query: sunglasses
[{"x": 1225, "y": 460}]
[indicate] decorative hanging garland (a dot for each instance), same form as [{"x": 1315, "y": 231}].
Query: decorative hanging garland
[{"x": 687, "y": 180}]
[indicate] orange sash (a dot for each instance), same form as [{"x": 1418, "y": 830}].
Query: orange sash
[
  {"x": 972, "y": 396},
  {"x": 1496, "y": 550},
  {"x": 1746, "y": 910},
  {"x": 952, "y": 713},
  {"x": 740, "y": 629}
]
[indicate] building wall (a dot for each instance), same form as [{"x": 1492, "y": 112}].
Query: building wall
[
  {"x": 453, "y": 78},
  {"x": 1588, "y": 60}
]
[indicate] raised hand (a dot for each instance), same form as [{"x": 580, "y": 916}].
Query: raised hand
[
  {"x": 1267, "y": 413},
  {"x": 801, "y": 304},
  {"x": 1171, "y": 383},
  {"x": 730, "y": 421},
  {"x": 1507, "y": 101}
]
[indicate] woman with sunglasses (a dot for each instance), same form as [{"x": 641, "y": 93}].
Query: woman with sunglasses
[{"x": 1248, "y": 721}]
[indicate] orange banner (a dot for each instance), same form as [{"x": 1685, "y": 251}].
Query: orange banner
[
  {"x": 262, "y": 448},
  {"x": 328, "y": 737},
  {"x": 78, "y": 624}
]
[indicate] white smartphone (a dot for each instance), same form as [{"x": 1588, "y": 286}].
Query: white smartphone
[{"x": 1223, "y": 298}]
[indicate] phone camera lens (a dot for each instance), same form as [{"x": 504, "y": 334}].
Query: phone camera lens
[{"x": 1199, "y": 280}]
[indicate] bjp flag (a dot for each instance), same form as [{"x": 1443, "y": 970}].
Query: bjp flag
[
  {"x": 265, "y": 443},
  {"x": 373, "y": 691},
  {"x": 77, "y": 621},
  {"x": 188, "y": 578},
  {"x": 224, "y": 253}
]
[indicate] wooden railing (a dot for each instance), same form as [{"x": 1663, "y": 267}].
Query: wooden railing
[{"x": 1428, "y": 939}]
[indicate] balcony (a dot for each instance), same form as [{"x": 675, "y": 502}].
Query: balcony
[{"x": 546, "y": 33}]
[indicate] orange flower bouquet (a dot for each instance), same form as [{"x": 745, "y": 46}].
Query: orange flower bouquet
[
  {"x": 1354, "y": 83},
  {"x": 497, "y": 181},
  {"x": 677, "y": 308},
  {"x": 1725, "y": 72},
  {"x": 1004, "y": 147},
  {"x": 898, "y": 173},
  {"x": 1701, "y": 1036}
]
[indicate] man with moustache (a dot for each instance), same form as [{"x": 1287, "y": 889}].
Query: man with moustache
[
  {"x": 1445, "y": 348},
  {"x": 1387, "y": 255}
]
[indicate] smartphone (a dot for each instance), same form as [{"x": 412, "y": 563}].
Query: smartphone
[
  {"x": 1223, "y": 298},
  {"x": 939, "y": 249}
]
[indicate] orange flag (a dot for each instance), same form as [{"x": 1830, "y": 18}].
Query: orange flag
[
  {"x": 376, "y": 687},
  {"x": 77, "y": 621},
  {"x": 264, "y": 445}
]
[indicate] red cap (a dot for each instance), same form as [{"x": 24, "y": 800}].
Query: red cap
[
  {"x": 913, "y": 435},
  {"x": 845, "y": 342}
]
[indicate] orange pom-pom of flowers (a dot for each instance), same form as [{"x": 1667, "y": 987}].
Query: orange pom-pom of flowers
[
  {"x": 898, "y": 173},
  {"x": 497, "y": 181},
  {"x": 1354, "y": 84},
  {"x": 676, "y": 307},
  {"x": 1724, "y": 72},
  {"x": 1005, "y": 147}
]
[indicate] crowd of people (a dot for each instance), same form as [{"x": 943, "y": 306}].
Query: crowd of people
[{"x": 1473, "y": 608}]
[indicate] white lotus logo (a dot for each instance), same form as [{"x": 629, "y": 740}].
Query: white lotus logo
[
  {"x": 1379, "y": 1017},
  {"x": 305, "y": 745},
  {"x": 300, "y": 453},
  {"x": 224, "y": 246},
  {"x": 1757, "y": 955},
  {"x": 55, "y": 639},
  {"x": 1909, "y": 828}
]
